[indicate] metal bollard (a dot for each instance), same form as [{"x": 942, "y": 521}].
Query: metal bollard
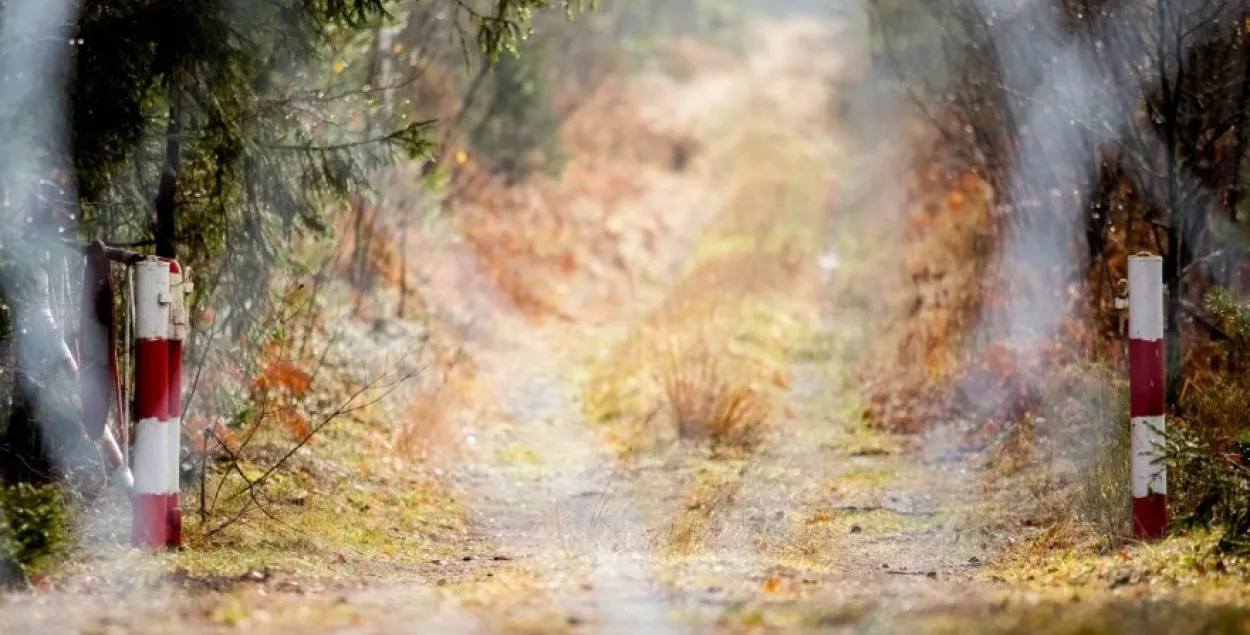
[
  {"x": 151, "y": 471},
  {"x": 1146, "y": 388}
]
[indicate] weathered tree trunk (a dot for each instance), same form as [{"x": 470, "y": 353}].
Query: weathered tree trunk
[
  {"x": 1172, "y": 273},
  {"x": 165, "y": 231},
  {"x": 362, "y": 268},
  {"x": 361, "y": 273},
  {"x": 403, "y": 266},
  {"x": 1236, "y": 190}
]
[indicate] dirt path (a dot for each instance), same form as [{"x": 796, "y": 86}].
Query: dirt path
[{"x": 825, "y": 514}]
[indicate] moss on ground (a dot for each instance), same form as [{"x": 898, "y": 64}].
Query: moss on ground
[
  {"x": 1187, "y": 566},
  {"x": 995, "y": 617},
  {"x": 347, "y": 512}
]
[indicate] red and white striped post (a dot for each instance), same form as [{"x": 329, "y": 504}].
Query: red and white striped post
[
  {"x": 1146, "y": 395},
  {"x": 151, "y": 471},
  {"x": 173, "y": 431}
]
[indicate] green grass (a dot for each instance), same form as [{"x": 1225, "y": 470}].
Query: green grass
[{"x": 347, "y": 513}]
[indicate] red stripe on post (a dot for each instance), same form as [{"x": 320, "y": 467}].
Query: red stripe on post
[
  {"x": 1150, "y": 516},
  {"x": 149, "y": 512},
  {"x": 1146, "y": 394},
  {"x": 174, "y": 430},
  {"x": 152, "y": 378}
]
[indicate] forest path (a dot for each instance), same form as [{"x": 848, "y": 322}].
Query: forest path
[
  {"x": 824, "y": 518},
  {"x": 825, "y": 527}
]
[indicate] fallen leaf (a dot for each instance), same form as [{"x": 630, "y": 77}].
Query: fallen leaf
[{"x": 772, "y": 585}]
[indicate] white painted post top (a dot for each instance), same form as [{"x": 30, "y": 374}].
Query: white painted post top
[
  {"x": 1145, "y": 298},
  {"x": 152, "y": 299}
]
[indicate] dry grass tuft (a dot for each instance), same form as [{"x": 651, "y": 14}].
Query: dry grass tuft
[
  {"x": 929, "y": 290},
  {"x": 708, "y": 403},
  {"x": 707, "y": 370}
]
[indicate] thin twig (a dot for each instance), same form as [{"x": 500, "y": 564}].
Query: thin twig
[{"x": 344, "y": 408}]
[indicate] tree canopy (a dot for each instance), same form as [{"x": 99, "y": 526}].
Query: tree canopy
[{"x": 214, "y": 131}]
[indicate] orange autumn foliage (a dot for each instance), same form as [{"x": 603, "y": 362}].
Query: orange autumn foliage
[
  {"x": 279, "y": 384},
  {"x": 537, "y": 239}
]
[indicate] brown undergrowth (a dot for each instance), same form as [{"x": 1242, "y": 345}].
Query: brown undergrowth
[
  {"x": 550, "y": 243},
  {"x": 927, "y": 284},
  {"x": 425, "y": 428},
  {"x": 1045, "y": 418},
  {"x": 324, "y": 416},
  {"x": 1049, "y": 416}
]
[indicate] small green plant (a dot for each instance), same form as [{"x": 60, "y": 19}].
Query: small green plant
[
  {"x": 1212, "y": 488},
  {"x": 1207, "y": 456},
  {"x": 1233, "y": 313},
  {"x": 34, "y": 525}
]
